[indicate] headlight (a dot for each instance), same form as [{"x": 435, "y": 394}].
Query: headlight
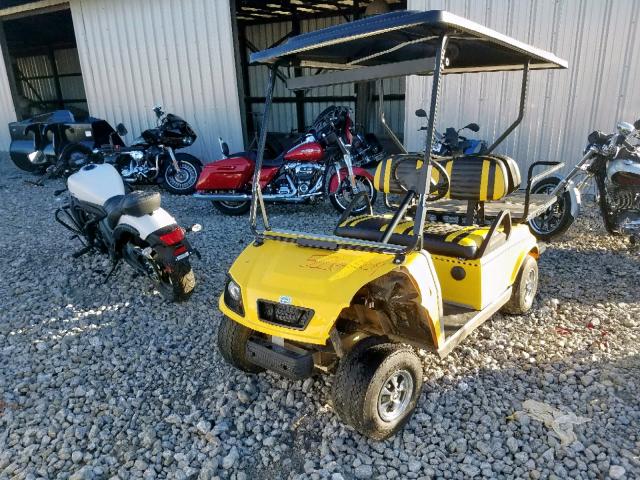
[{"x": 233, "y": 296}]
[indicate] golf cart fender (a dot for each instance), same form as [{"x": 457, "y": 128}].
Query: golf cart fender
[
  {"x": 333, "y": 181},
  {"x": 531, "y": 248},
  {"x": 323, "y": 281}
]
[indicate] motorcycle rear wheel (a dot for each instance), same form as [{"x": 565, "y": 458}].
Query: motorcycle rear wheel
[
  {"x": 233, "y": 208},
  {"x": 558, "y": 218},
  {"x": 178, "y": 284}
]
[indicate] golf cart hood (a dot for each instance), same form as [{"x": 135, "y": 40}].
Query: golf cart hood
[{"x": 321, "y": 280}]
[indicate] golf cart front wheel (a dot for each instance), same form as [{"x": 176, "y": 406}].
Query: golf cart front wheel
[
  {"x": 524, "y": 289},
  {"x": 376, "y": 387},
  {"x": 232, "y": 344}
]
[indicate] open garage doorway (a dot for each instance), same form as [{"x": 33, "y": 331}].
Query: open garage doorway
[
  {"x": 259, "y": 25},
  {"x": 42, "y": 63}
]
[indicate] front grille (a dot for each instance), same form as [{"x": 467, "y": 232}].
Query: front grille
[{"x": 285, "y": 315}]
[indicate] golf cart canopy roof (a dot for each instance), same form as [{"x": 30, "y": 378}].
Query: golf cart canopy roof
[{"x": 405, "y": 42}]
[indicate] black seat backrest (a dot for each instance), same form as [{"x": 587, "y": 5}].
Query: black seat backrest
[{"x": 477, "y": 178}]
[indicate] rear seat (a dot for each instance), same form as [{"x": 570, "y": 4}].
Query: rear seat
[{"x": 475, "y": 179}]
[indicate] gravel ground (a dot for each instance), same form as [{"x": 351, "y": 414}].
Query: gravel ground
[{"x": 105, "y": 380}]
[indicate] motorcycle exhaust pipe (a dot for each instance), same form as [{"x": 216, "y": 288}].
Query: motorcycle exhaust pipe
[{"x": 223, "y": 197}]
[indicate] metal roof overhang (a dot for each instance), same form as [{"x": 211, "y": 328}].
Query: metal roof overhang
[{"x": 395, "y": 39}]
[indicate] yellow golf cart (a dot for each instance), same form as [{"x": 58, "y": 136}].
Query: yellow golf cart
[{"x": 361, "y": 300}]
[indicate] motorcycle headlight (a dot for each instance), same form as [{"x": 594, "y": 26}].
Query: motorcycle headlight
[
  {"x": 233, "y": 296},
  {"x": 187, "y": 140}
]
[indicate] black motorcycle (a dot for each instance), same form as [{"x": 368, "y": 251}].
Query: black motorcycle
[
  {"x": 614, "y": 163},
  {"x": 451, "y": 143},
  {"x": 151, "y": 157},
  {"x": 57, "y": 143}
]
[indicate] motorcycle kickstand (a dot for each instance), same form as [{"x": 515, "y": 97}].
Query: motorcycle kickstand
[{"x": 115, "y": 266}]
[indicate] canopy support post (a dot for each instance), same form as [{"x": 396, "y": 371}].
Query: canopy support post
[
  {"x": 262, "y": 140},
  {"x": 523, "y": 103},
  {"x": 383, "y": 120},
  {"x": 424, "y": 182}
]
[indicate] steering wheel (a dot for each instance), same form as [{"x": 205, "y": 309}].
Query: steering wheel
[
  {"x": 437, "y": 189},
  {"x": 441, "y": 187}
]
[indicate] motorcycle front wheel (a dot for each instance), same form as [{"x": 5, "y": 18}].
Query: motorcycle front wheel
[
  {"x": 556, "y": 219},
  {"x": 342, "y": 197},
  {"x": 183, "y": 181}
]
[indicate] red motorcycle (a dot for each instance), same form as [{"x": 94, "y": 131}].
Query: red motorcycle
[{"x": 319, "y": 164}]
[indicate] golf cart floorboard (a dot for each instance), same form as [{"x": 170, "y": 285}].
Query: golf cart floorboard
[
  {"x": 459, "y": 322},
  {"x": 455, "y": 317},
  {"x": 538, "y": 203}
]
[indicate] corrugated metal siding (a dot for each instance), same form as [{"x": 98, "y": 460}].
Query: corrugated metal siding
[
  {"x": 179, "y": 54},
  {"x": 600, "y": 40},
  {"x": 284, "y": 115},
  {"x": 7, "y": 110}
]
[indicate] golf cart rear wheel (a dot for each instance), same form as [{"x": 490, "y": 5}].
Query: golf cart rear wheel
[
  {"x": 524, "y": 288},
  {"x": 376, "y": 387},
  {"x": 232, "y": 343}
]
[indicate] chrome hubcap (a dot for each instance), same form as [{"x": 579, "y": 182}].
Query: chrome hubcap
[
  {"x": 550, "y": 219},
  {"x": 395, "y": 396},
  {"x": 345, "y": 193},
  {"x": 529, "y": 286},
  {"x": 182, "y": 179}
]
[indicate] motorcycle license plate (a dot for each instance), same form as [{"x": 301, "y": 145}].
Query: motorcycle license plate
[{"x": 182, "y": 255}]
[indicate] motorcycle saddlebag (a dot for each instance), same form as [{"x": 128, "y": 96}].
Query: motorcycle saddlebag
[{"x": 227, "y": 174}]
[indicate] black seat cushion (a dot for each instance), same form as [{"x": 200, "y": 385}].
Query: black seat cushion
[
  {"x": 439, "y": 238},
  {"x": 136, "y": 204}
]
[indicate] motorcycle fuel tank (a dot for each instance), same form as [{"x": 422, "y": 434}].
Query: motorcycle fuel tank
[
  {"x": 95, "y": 183},
  {"x": 624, "y": 172},
  {"x": 305, "y": 152}
]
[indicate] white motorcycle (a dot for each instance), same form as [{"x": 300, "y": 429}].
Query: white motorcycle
[{"x": 130, "y": 227}]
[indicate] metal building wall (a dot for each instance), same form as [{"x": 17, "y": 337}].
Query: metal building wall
[
  {"x": 601, "y": 41},
  {"x": 7, "y": 109},
  {"x": 180, "y": 54}
]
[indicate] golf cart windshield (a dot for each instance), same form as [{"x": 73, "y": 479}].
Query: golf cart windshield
[{"x": 391, "y": 45}]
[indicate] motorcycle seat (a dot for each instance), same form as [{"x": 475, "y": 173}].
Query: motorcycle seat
[{"x": 136, "y": 204}]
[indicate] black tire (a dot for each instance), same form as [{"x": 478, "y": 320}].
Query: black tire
[
  {"x": 524, "y": 289},
  {"x": 340, "y": 204},
  {"x": 232, "y": 344},
  {"x": 178, "y": 285},
  {"x": 185, "y": 183},
  {"x": 359, "y": 382},
  {"x": 73, "y": 157},
  {"x": 558, "y": 218},
  {"x": 233, "y": 208}
]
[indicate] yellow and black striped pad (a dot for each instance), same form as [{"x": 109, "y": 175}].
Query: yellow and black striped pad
[
  {"x": 476, "y": 178},
  {"x": 439, "y": 238},
  {"x": 397, "y": 173}
]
